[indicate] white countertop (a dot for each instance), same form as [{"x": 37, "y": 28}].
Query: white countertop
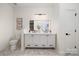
[
  {"x": 25, "y": 32},
  {"x": 39, "y": 33}
]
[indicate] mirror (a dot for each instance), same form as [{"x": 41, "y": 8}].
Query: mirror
[{"x": 39, "y": 25}]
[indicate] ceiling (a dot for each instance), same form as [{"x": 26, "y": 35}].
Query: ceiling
[{"x": 35, "y": 4}]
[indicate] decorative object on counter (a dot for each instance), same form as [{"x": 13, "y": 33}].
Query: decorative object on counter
[
  {"x": 19, "y": 23},
  {"x": 40, "y": 14},
  {"x": 50, "y": 31},
  {"x": 38, "y": 27}
]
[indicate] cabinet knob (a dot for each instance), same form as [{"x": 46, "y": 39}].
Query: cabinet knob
[
  {"x": 75, "y": 47},
  {"x": 67, "y": 34},
  {"x": 36, "y": 45},
  {"x": 50, "y": 45},
  {"x": 43, "y": 45},
  {"x": 28, "y": 45}
]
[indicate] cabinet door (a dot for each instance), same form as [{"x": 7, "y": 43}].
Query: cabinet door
[
  {"x": 43, "y": 40},
  {"x": 28, "y": 40},
  {"x": 51, "y": 41},
  {"x": 36, "y": 40}
]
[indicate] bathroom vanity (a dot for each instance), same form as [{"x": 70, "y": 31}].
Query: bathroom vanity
[
  {"x": 38, "y": 40},
  {"x": 39, "y": 34}
]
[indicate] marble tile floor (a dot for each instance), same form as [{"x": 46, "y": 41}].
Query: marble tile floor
[
  {"x": 33, "y": 52},
  {"x": 30, "y": 52}
]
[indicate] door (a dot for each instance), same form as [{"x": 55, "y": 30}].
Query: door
[
  {"x": 77, "y": 31},
  {"x": 69, "y": 23}
]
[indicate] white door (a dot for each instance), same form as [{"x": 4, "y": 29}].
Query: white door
[
  {"x": 77, "y": 31},
  {"x": 69, "y": 37}
]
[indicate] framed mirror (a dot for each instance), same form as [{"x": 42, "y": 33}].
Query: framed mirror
[{"x": 39, "y": 25}]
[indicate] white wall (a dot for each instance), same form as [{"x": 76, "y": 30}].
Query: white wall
[{"x": 6, "y": 25}]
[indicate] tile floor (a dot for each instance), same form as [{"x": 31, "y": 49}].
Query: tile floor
[
  {"x": 33, "y": 52},
  {"x": 30, "y": 52}
]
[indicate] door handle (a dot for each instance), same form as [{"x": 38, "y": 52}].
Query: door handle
[{"x": 67, "y": 34}]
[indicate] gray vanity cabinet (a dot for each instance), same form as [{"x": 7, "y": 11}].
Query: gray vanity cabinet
[{"x": 39, "y": 40}]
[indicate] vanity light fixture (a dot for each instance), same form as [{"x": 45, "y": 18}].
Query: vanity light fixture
[{"x": 40, "y": 14}]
